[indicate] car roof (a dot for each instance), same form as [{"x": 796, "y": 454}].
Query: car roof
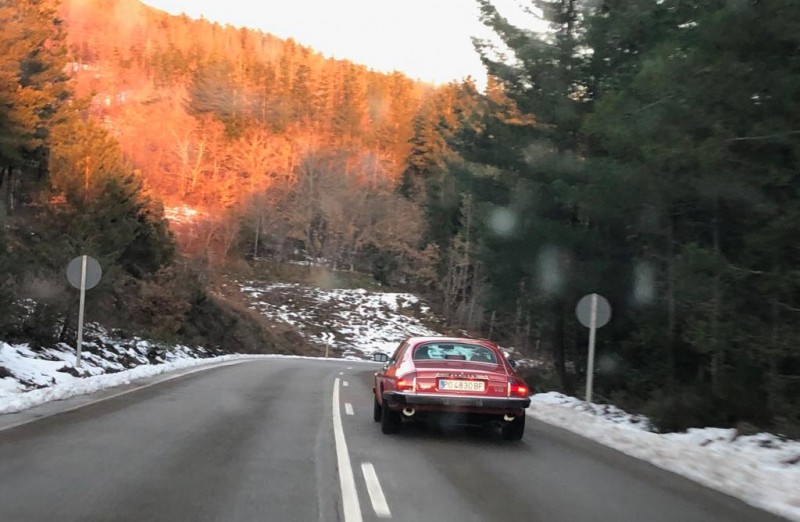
[{"x": 432, "y": 339}]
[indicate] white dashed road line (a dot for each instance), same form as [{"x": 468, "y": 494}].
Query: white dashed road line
[
  {"x": 375, "y": 492},
  {"x": 345, "y": 384},
  {"x": 350, "y": 506},
  {"x": 348, "y": 408}
]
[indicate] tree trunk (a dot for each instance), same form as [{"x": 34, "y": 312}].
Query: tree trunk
[
  {"x": 87, "y": 174},
  {"x": 773, "y": 380},
  {"x": 717, "y": 355},
  {"x": 258, "y": 233},
  {"x": 570, "y": 16},
  {"x": 62, "y": 336},
  {"x": 10, "y": 181},
  {"x": 197, "y": 168},
  {"x": 15, "y": 175},
  {"x": 447, "y": 289},
  {"x": 208, "y": 250},
  {"x": 671, "y": 303},
  {"x": 3, "y": 185},
  {"x": 230, "y": 230},
  {"x": 527, "y": 332},
  {"x": 518, "y": 314},
  {"x": 472, "y": 319},
  {"x": 559, "y": 350},
  {"x": 467, "y": 263},
  {"x": 773, "y": 383}
]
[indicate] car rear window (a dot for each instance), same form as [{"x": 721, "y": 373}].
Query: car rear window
[{"x": 456, "y": 351}]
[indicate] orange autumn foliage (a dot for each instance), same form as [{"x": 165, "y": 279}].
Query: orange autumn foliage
[{"x": 211, "y": 114}]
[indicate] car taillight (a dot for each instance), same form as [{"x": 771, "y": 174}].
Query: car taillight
[
  {"x": 405, "y": 384},
  {"x": 518, "y": 390}
]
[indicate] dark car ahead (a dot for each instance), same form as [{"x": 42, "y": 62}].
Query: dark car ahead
[{"x": 467, "y": 381}]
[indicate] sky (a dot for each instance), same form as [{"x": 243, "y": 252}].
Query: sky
[{"x": 428, "y": 40}]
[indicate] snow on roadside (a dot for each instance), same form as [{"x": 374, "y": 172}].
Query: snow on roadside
[
  {"x": 762, "y": 470},
  {"x": 29, "y": 377},
  {"x": 606, "y": 411},
  {"x": 351, "y": 321},
  {"x": 18, "y": 399},
  {"x": 53, "y": 384},
  {"x": 32, "y": 376}
]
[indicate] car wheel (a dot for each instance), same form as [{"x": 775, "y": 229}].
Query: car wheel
[
  {"x": 514, "y": 429},
  {"x": 390, "y": 420},
  {"x": 376, "y": 410}
]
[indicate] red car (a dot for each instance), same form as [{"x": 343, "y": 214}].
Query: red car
[{"x": 466, "y": 380}]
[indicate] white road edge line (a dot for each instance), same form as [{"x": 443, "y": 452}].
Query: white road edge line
[
  {"x": 125, "y": 392},
  {"x": 375, "y": 492},
  {"x": 350, "y": 505},
  {"x": 348, "y": 408},
  {"x": 345, "y": 384}
]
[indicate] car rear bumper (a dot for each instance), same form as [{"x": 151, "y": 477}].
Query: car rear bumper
[{"x": 444, "y": 402}]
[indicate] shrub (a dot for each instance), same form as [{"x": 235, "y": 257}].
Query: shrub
[{"x": 684, "y": 408}]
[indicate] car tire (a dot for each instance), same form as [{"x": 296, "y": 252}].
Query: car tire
[
  {"x": 390, "y": 420},
  {"x": 376, "y": 410},
  {"x": 514, "y": 429}
]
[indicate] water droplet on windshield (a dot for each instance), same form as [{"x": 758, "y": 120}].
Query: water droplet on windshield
[
  {"x": 549, "y": 270},
  {"x": 503, "y": 222},
  {"x": 644, "y": 283}
]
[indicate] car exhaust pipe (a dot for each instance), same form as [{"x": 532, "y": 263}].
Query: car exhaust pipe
[
  {"x": 508, "y": 418},
  {"x": 409, "y": 412}
]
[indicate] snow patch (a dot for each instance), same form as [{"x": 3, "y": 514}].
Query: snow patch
[
  {"x": 183, "y": 214},
  {"x": 762, "y": 470},
  {"x": 353, "y": 322}
]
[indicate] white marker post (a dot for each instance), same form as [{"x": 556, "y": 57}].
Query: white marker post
[
  {"x": 80, "y": 311},
  {"x": 593, "y": 312},
  {"x": 592, "y": 337},
  {"x": 83, "y": 273}
]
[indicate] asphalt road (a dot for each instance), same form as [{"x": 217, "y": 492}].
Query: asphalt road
[{"x": 285, "y": 440}]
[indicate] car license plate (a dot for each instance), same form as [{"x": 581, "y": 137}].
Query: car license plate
[{"x": 448, "y": 385}]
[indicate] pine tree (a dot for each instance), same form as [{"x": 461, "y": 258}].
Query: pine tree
[
  {"x": 529, "y": 137},
  {"x": 33, "y": 87},
  {"x": 427, "y": 153},
  {"x": 694, "y": 142},
  {"x": 97, "y": 205},
  {"x": 350, "y": 108},
  {"x": 214, "y": 91},
  {"x": 301, "y": 95}
]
